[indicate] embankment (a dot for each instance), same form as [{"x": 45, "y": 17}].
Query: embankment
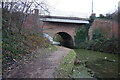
[{"x": 66, "y": 65}]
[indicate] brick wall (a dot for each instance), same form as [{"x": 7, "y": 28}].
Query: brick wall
[
  {"x": 109, "y": 28},
  {"x": 54, "y": 28},
  {"x": 32, "y": 22}
]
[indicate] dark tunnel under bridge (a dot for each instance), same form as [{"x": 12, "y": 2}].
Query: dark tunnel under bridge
[{"x": 66, "y": 39}]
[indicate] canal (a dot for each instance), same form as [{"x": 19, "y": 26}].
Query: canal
[{"x": 94, "y": 64}]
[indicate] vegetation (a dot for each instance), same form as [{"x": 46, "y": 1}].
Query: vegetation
[
  {"x": 17, "y": 40},
  {"x": 97, "y": 34},
  {"x": 15, "y": 45},
  {"x": 58, "y": 38},
  {"x": 81, "y": 34},
  {"x": 96, "y": 64},
  {"x": 52, "y": 48},
  {"x": 66, "y": 65},
  {"x": 92, "y": 18},
  {"x": 98, "y": 42},
  {"x": 111, "y": 16}
]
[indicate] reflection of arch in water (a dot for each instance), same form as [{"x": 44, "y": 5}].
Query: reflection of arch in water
[{"x": 66, "y": 39}]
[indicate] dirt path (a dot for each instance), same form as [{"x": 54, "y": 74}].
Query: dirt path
[{"x": 41, "y": 67}]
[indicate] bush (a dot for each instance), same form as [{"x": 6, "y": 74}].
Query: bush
[
  {"x": 97, "y": 34},
  {"x": 15, "y": 45},
  {"x": 102, "y": 45},
  {"x": 17, "y": 40},
  {"x": 81, "y": 34},
  {"x": 66, "y": 65},
  {"x": 98, "y": 42}
]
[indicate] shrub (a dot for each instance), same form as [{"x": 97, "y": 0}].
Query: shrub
[
  {"x": 15, "y": 45},
  {"x": 81, "y": 34},
  {"x": 102, "y": 45},
  {"x": 18, "y": 40},
  {"x": 97, "y": 34},
  {"x": 98, "y": 42}
]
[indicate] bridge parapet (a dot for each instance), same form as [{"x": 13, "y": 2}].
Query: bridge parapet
[{"x": 64, "y": 19}]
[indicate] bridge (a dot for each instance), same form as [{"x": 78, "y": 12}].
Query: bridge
[
  {"x": 61, "y": 25},
  {"x": 64, "y": 26}
]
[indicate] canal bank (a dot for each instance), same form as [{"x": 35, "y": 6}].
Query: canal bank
[{"x": 96, "y": 65}]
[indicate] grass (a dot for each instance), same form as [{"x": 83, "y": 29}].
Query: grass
[
  {"x": 90, "y": 55},
  {"x": 103, "y": 65},
  {"x": 52, "y": 48},
  {"x": 66, "y": 65},
  {"x": 80, "y": 72}
]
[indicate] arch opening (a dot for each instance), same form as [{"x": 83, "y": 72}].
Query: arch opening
[{"x": 64, "y": 38}]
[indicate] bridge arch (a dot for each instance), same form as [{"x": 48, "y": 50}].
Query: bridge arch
[{"x": 66, "y": 39}]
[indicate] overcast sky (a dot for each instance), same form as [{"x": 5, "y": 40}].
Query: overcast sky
[{"x": 82, "y": 7}]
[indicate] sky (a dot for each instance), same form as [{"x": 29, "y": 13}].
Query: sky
[{"x": 81, "y": 8}]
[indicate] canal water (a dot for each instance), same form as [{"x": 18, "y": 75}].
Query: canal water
[{"x": 96, "y": 65}]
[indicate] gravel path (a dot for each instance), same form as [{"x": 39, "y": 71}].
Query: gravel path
[{"x": 41, "y": 67}]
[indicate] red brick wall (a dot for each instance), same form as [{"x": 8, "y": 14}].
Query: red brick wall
[
  {"x": 54, "y": 28},
  {"x": 109, "y": 28},
  {"x": 32, "y": 22}
]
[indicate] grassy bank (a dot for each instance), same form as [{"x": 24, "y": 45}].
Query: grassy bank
[
  {"x": 66, "y": 65},
  {"x": 96, "y": 64},
  {"x": 15, "y": 45}
]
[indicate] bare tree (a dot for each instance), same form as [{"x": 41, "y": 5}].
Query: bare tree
[
  {"x": 22, "y": 8},
  {"x": 25, "y": 6}
]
